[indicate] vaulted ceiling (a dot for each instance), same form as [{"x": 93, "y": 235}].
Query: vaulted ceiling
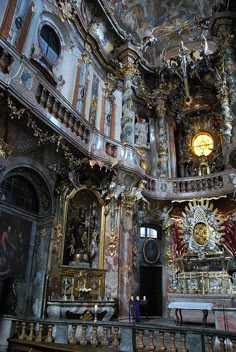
[{"x": 169, "y": 20}]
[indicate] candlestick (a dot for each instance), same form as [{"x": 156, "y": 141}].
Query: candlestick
[{"x": 95, "y": 313}]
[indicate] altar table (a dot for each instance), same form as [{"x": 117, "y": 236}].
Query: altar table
[{"x": 179, "y": 306}]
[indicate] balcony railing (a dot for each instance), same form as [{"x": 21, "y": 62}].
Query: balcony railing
[
  {"x": 119, "y": 336},
  {"x": 21, "y": 78}
]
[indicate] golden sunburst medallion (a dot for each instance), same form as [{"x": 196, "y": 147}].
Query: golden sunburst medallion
[{"x": 202, "y": 228}]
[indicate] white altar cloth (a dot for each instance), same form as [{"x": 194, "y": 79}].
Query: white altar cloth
[{"x": 191, "y": 305}]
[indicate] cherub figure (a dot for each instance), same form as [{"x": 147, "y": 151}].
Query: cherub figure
[
  {"x": 164, "y": 216},
  {"x": 137, "y": 191}
]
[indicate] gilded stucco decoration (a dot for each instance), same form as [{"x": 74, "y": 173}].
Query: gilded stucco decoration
[
  {"x": 58, "y": 235},
  {"x": 202, "y": 228},
  {"x": 125, "y": 269},
  {"x": 112, "y": 242}
]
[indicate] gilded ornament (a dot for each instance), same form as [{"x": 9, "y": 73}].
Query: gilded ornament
[
  {"x": 112, "y": 242},
  {"x": 58, "y": 237},
  {"x": 169, "y": 257},
  {"x": 125, "y": 269},
  {"x": 128, "y": 202},
  {"x": 129, "y": 69}
]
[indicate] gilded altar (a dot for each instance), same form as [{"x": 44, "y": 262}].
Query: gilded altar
[{"x": 202, "y": 267}]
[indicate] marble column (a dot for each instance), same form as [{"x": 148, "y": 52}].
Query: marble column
[
  {"x": 128, "y": 109},
  {"x": 111, "y": 248},
  {"x": 222, "y": 27},
  {"x": 162, "y": 148},
  {"x": 125, "y": 253}
]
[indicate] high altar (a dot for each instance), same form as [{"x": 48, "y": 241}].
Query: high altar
[{"x": 201, "y": 263}]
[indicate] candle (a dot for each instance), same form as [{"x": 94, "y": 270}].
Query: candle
[
  {"x": 144, "y": 298},
  {"x": 72, "y": 281},
  {"x": 95, "y": 308},
  {"x": 132, "y": 298},
  {"x": 137, "y": 298}
]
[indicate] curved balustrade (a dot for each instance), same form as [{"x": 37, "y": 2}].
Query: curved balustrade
[
  {"x": 55, "y": 110},
  {"x": 62, "y": 335}
]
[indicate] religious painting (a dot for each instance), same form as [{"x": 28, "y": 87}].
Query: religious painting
[
  {"x": 15, "y": 234},
  {"x": 83, "y": 230},
  {"x": 151, "y": 251}
]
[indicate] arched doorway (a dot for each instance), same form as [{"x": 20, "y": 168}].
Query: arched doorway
[{"x": 25, "y": 206}]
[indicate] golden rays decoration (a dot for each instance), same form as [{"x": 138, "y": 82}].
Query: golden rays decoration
[{"x": 202, "y": 227}]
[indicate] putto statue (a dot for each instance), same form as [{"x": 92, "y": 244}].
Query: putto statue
[{"x": 137, "y": 191}]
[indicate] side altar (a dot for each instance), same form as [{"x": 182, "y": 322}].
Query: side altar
[
  {"x": 201, "y": 267},
  {"x": 82, "y": 309}
]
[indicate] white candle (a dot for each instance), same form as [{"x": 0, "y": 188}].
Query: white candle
[
  {"x": 144, "y": 298},
  {"x": 95, "y": 308},
  {"x": 137, "y": 298},
  {"x": 132, "y": 298}
]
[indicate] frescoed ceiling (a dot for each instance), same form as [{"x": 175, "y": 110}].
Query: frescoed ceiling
[{"x": 168, "y": 20}]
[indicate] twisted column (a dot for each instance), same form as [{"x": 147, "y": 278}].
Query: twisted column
[{"x": 162, "y": 147}]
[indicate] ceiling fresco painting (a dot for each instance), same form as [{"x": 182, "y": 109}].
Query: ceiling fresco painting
[{"x": 139, "y": 17}]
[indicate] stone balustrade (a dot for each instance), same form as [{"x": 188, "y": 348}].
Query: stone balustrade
[{"x": 63, "y": 335}]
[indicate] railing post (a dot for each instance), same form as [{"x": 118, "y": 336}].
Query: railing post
[
  {"x": 30, "y": 337},
  {"x": 39, "y": 336},
  {"x": 161, "y": 347},
  {"x": 49, "y": 336},
  {"x": 115, "y": 341},
  {"x": 94, "y": 341},
  {"x": 83, "y": 340},
  {"x": 209, "y": 343},
  {"x": 17, "y": 323},
  {"x": 182, "y": 345},
  {"x": 150, "y": 345},
  {"x": 23, "y": 331},
  {"x": 172, "y": 347},
  {"x": 72, "y": 340},
  {"x": 104, "y": 341},
  {"x": 140, "y": 344}
]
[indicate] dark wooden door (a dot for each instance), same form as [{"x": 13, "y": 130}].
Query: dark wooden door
[{"x": 151, "y": 287}]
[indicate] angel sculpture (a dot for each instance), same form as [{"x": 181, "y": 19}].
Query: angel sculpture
[
  {"x": 147, "y": 42},
  {"x": 137, "y": 191},
  {"x": 164, "y": 217},
  {"x": 115, "y": 189}
]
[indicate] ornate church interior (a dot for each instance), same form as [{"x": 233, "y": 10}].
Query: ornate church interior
[{"x": 118, "y": 175}]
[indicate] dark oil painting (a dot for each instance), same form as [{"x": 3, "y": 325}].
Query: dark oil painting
[{"x": 15, "y": 233}]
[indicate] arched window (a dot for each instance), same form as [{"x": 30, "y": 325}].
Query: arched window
[
  {"x": 150, "y": 232},
  {"x": 50, "y": 45},
  {"x": 19, "y": 192}
]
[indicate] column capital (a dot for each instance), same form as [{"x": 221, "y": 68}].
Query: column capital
[{"x": 128, "y": 202}]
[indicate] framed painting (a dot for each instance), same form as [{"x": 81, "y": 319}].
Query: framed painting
[
  {"x": 151, "y": 251},
  {"x": 15, "y": 235}
]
